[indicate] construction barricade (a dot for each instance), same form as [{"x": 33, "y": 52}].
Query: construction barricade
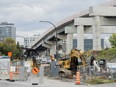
[
  {"x": 34, "y": 76},
  {"x": 17, "y": 73},
  {"x": 14, "y": 73}
]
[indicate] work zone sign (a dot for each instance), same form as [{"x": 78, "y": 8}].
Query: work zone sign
[
  {"x": 9, "y": 54},
  {"x": 35, "y": 70}
]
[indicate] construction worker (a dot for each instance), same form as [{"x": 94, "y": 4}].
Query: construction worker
[
  {"x": 92, "y": 59},
  {"x": 52, "y": 58}
]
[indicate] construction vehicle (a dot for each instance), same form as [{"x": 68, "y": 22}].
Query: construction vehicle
[
  {"x": 76, "y": 60},
  {"x": 69, "y": 66}
]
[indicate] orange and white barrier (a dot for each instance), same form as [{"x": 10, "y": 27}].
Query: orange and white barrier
[
  {"x": 11, "y": 76},
  {"x": 14, "y": 73}
]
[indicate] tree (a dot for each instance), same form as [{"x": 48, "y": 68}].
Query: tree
[
  {"x": 19, "y": 50},
  {"x": 1, "y": 48},
  {"x": 9, "y": 45},
  {"x": 112, "y": 40}
]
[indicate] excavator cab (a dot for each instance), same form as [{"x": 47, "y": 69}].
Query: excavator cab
[{"x": 77, "y": 60}]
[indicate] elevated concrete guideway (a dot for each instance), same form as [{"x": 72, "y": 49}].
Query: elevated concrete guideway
[{"x": 96, "y": 21}]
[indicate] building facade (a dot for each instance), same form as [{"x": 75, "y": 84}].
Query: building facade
[
  {"x": 33, "y": 39},
  {"x": 7, "y": 30},
  {"x": 88, "y": 44}
]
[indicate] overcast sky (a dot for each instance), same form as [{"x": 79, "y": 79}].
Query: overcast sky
[{"x": 26, "y": 14}]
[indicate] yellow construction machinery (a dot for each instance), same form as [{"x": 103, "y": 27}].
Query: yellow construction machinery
[{"x": 69, "y": 66}]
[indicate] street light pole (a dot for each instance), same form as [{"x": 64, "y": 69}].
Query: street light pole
[{"x": 55, "y": 37}]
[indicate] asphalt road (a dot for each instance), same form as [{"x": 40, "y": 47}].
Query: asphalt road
[
  {"x": 49, "y": 83},
  {"x": 14, "y": 84}
]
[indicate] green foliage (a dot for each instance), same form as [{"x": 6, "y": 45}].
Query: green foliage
[
  {"x": 99, "y": 80},
  {"x": 107, "y": 54},
  {"x": 112, "y": 40},
  {"x": 9, "y": 45}
]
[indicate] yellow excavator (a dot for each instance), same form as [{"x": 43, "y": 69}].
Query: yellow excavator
[{"x": 68, "y": 67}]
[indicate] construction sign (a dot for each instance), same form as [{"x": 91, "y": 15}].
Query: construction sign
[
  {"x": 9, "y": 54},
  {"x": 35, "y": 70}
]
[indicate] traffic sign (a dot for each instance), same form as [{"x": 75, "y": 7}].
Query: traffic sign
[
  {"x": 9, "y": 54},
  {"x": 35, "y": 70}
]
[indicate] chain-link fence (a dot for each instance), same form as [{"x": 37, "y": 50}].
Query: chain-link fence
[{"x": 90, "y": 72}]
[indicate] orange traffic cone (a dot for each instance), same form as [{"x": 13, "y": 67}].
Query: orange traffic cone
[{"x": 78, "y": 78}]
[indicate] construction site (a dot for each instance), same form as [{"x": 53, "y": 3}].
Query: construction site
[
  {"x": 57, "y": 57},
  {"x": 78, "y": 67}
]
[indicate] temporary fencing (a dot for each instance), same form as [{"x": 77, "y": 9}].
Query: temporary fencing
[
  {"x": 4, "y": 75},
  {"x": 18, "y": 71},
  {"x": 4, "y": 67}
]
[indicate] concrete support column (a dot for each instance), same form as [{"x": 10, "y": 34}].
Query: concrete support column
[
  {"x": 69, "y": 43},
  {"x": 96, "y": 33},
  {"x": 80, "y": 37},
  {"x": 53, "y": 49}
]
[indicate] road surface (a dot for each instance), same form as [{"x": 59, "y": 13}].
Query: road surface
[{"x": 49, "y": 83}]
